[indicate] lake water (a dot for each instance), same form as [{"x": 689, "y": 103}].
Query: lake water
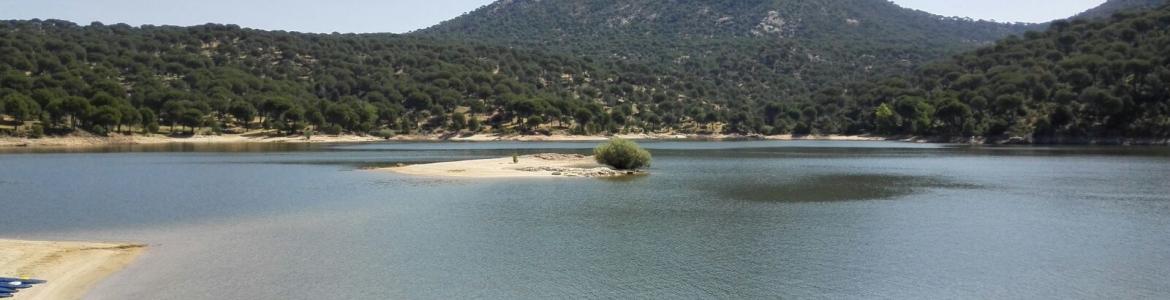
[{"x": 714, "y": 220}]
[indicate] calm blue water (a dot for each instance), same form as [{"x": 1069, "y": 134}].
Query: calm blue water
[{"x": 714, "y": 220}]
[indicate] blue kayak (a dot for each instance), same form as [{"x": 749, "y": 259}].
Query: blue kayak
[
  {"x": 5, "y": 295},
  {"x": 7, "y": 290},
  {"x": 29, "y": 281}
]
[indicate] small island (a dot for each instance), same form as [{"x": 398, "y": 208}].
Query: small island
[{"x": 618, "y": 157}]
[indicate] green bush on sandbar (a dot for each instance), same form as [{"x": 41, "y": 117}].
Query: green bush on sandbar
[{"x": 622, "y": 155}]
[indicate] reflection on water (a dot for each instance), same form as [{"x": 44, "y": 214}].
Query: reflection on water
[
  {"x": 625, "y": 178},
  {"x": 835, "y": 187},
  {"x": 713, "y": 220}
]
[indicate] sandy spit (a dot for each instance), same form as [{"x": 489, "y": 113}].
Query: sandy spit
[
  {"x": 71, "y": 268},
  {"x": 548, "y": 165}
]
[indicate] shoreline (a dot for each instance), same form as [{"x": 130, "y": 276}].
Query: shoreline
[
  {"x": 89, "y": 141},
  {"x": 71, "y": 268},
  {"x": 545, "y": 165}
]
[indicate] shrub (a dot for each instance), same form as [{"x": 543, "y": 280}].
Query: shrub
[
  {"x": 474, "y": 125},
  {"x": 622, "y": 155},
  {"x": 383, "y": 133},
  {"x": 331, "y": 129},
  {"x": 801, "y": 129},
  {"x": 36, "y": 131},
  {"x": 216, "y": 128},
  {"x": 99, "y": 130}
]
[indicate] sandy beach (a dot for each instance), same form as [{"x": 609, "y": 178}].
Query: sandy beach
[
  {"x": 645, "y": 136},
  {"x": 548, "y": 165},
  {"x": 789, "y": 137},
  {"x": 71, "y": 268}
]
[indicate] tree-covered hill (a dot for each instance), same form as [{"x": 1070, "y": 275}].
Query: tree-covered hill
[
  {"x": 753, "y": 50},
  {"x": 1079, "y": 80},
  {"x": 114, "y": 77}
]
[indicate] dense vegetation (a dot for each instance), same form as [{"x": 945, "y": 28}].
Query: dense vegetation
[
  {"x": 1079, "y": 79},
  {"x": 622, "y": 154},
  {"x": 107, "y": 78}
]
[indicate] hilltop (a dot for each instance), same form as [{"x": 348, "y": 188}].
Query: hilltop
[{"x": 754, "y": 50}]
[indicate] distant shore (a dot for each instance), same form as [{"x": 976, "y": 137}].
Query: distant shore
[
  {"x": 71, "y": 268},
  {"x": 91, "y": 141},
  {"x": 82, "y": 141},
  {"x": 547, "y": 165}
]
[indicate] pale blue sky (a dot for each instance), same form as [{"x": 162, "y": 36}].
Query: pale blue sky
[{"x": 406, "y": 15}]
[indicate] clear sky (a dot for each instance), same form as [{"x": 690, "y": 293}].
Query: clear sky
[
  {"x": 1034, "y": 11},
  {"x": 406, "y": 15}
]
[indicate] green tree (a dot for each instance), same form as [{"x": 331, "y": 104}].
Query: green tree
[
  {"x": 583, "y": 117},
  {"x": 956, "y": 118},
  {"x": 340, "y": 115},
  {"x": 887, "y": 120},
  {"x": 534, "y": 122},
  {"x": 106, "y": 117},
  {"x": 130, "y": 117},
  {"x": 243, "y": 112},
  {"x": 149, "y": 120},
  {"x": 19, "y": 106},
  {"x": 191, "y": 118},
  {"x": 292, "y": 120},
  {"x": 77, "y": 108}
]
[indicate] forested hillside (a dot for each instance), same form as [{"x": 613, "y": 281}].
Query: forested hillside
[
  {"x": 752, "y": 50},
  {"x": 1078, "y": 80},
  {"x": 116, "y": 77}
]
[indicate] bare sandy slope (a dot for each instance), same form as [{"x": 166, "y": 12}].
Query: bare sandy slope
[
  {"x": 71, "y": 268},
  {"x": 528, "y": 166},
  {"x": 789, "y": 137}
]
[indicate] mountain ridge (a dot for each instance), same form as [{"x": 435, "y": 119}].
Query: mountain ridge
[{"x": 753, "y": 49}]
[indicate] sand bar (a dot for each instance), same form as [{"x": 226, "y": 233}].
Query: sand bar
[
  {"x": 71, "y": 268},
  {"x": 526, "y": 166}
]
